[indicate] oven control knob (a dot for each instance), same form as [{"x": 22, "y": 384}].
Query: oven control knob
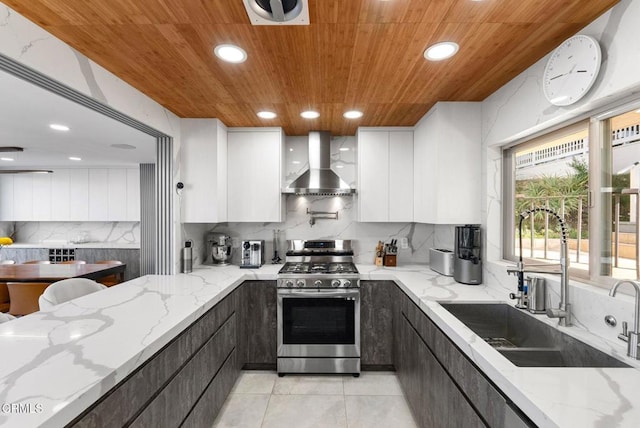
[
  {"x": 318, "y": 283},
  {"x": 288, "y": 283},
  {"x": 347, "y": 283},
  {"x": 300, "y": 283},
  {"x": 335, "y": 283}
]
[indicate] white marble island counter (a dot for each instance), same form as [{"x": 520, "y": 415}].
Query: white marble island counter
[{"x": 57, "y": 363}]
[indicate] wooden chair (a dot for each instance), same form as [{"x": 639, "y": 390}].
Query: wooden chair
[
  {"x": 4, "y": 291},
  {"x": 37, "y": 262},
  {"x": 73, "y": 262},
  {"x": 24, "y": 296},
  {"x": 4, "y": 297},
  {"x": 110, "y": 280}
]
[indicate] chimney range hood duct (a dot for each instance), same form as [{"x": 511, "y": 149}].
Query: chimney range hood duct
[{"x": 319, "y": 179}]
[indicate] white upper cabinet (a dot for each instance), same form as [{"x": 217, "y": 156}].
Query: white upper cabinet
[
  {"x": 447, "y": 164},
  {"x": 254, "y": 174},
  {"x": 385, "y": 175},
  {"x": 78, "y": 194},
  {"x": 203, "y": 170}
]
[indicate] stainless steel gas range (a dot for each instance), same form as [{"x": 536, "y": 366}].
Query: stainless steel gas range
[{"x": 319, "y": 309}]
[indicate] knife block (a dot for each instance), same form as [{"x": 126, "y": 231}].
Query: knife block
[{"x": 390, "y": 260}]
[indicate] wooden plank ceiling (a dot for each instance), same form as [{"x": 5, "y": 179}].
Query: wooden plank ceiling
[{"x": 356, "y": 54}]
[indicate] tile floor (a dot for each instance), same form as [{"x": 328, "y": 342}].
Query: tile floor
[{"x": 261, "y": 399}]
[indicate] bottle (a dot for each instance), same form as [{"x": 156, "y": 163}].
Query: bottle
[{"x": 187, "y": 257}]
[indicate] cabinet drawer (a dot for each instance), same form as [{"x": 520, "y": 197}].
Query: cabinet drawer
[
  {"x": 175, "y": 401},
  {"x": 210, "y": 403},
  {"x": 132, "y": 394}
]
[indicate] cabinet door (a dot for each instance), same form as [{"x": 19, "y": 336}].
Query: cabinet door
[
  {"x": 434, "y": 398},
  {"x": 259, "y": 325},
  {"x": 23, "y": 197},
  {"x": 60, "y": 195},
  {"x": 79, "y": 194},
  {"x": 116, "y": 194},
  {"x": 133, "y": 194},
  {"x": 42, "y": 197},
  {"x": 373, "y": 172},
  {"x": 98, "y": 194},
  {"x": 6, "y": 198},
  {"x": 401, "y": 176},
  {"x": 204, "y": 170},
  {"x": 376, "y": 324},
  {"x": 254, "y": 178}
]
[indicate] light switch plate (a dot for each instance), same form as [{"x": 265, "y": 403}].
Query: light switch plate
[{"x": 404, "y": 243}]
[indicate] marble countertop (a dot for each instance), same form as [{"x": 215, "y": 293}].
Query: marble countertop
[
  {"x": 46, "y": 245},
  {"x": 58, "y": 362}
]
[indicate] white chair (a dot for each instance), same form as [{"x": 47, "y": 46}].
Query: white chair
[
  {"x": 67, "y": 289},
  {"x": 6, "y": 317}
]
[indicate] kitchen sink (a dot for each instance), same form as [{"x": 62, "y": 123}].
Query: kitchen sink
[{"x": 526, "y": 341}]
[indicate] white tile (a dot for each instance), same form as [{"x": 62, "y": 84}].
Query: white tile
[
  {"x": 378, "y": 411},
  {"x": 302, "y": 411},
  {"x": 317, "y": 385},
  {"x": 242, "y": 411},
  {"x": 255, "y": 382},
  {"x": 372, "y": 383}
]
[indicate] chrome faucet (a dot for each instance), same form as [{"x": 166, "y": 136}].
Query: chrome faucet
[
  {"x": 563, "y": 312},
  {"x": 631, "y": 337}
]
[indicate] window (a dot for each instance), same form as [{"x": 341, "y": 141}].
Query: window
[
  {"x": 551, "y": 172},
  {"x": 559, "y": 171}
]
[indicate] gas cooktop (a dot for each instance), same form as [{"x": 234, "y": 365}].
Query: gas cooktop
[{"x": 318, "y": 268}]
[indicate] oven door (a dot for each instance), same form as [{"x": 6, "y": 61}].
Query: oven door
[{"x": 318, "y": 323}]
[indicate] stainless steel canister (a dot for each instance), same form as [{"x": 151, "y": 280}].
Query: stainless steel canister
[{"x": 537, "y": 295}]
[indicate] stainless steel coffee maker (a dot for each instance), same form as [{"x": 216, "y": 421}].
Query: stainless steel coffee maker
[
  {"x": 467, "y": 261},
  {"x": 219, "y": 248},
  {"x": 252, "y": 254}
]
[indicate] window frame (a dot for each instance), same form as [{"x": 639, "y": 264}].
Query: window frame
[{"x": 599, "y": 137}]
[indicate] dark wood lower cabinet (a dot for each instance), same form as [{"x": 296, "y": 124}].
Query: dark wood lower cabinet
[
  {"x": 434, "y": 398},
  {"x": 186, "y": 383},
  {"x": 376, "y": 325},
  {"x": 257, "y": 303},
  {"x": 443, "y": 387}
]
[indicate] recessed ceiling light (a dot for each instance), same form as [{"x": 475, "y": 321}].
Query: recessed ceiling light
[
  {"x": 352, "y": 114},
  {"x": 230, "y": 53},
  {"x": 344, "y": 149},
  {"x": 267, "y": 115},
  {"x": 295, "y": 162},
  {"x": 440, "y": 51},
  {"x": 59, "y": 127},
  {"x": 290, "y": 149},
  {"x": 75, "y": 158},
  {"x": 310, "y": 114},
  {"x": 339, "y": 166},
  {"x": 7, "y": 159},
  {"x": 123, "y": 146}
]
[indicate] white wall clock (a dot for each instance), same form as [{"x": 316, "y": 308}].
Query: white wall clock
[{"x": 571, "y": 70}]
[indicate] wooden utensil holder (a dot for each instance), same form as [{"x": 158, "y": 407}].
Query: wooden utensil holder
[{"x": 390, "y": 260}]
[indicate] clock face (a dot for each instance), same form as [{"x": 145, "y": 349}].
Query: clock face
[{"x": 571, "y": 70}]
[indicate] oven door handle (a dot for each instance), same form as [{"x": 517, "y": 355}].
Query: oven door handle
[{"x": 316, "y": 293}]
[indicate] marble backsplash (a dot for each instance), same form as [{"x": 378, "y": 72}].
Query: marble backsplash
[
  {"x": 72, "y": 232},
  {"x": 365, "y": 236}
]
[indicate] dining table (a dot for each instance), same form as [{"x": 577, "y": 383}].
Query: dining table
[{"x": 26, "y": 282}]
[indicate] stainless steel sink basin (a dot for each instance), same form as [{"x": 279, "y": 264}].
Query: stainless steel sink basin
[{"x": 524, "y": 340}]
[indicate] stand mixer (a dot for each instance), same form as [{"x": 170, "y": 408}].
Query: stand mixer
[{"x": 219, "y": 248}]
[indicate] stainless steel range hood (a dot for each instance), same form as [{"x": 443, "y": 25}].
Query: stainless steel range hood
[{"x": 319, "y": 179}]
